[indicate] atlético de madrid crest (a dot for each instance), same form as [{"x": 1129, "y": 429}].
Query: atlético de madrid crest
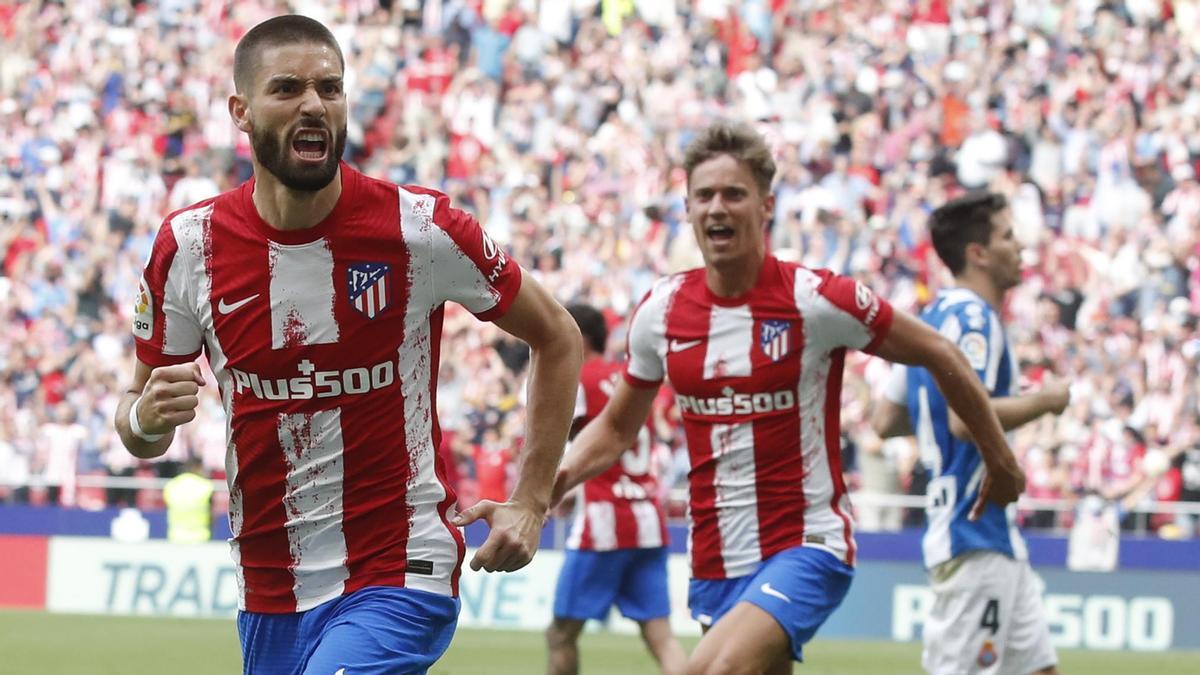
[
  {"x": 773, "y": 338},
  {"x": 369, "y": 287}
]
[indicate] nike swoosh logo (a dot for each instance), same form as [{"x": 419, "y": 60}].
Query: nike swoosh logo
[
  {"x": 340, "y": 671},
  {"x": 677, "y": 346},
  {"x": 226, "y": 308},
  {"x": 766, "y": 588}
]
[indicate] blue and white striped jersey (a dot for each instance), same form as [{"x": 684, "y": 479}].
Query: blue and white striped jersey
[{"x": 955, "y": 466}]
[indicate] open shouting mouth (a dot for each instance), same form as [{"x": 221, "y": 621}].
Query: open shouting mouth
[{"x": 311, "y": 145}]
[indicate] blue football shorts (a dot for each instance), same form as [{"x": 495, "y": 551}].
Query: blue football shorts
[
  {"x": 378, "y": 629},
  {"x": 635, "y": 579},
  {"x": 799, "y": 587}
]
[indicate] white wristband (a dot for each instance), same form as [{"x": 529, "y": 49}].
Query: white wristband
[{"x": 136, "y": 428}]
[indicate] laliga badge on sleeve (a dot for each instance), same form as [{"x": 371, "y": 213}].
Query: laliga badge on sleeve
[
  {"x": 974, "y": 346},
  {"x": 143, "y": 312}
]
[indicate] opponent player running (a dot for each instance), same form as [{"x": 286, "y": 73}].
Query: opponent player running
[
  {"x": 617, "y": 551},
  {"x": 754, "y": 348},
  {"x": 317, "y": 295},
  {"x": 987, "y": 616}
]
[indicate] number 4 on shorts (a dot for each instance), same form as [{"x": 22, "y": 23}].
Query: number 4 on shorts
[{"x": 991, "y": 615}]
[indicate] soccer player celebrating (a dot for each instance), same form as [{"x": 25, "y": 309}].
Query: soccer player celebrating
[
  {"x": 617, "y": 550},
  {"x": 317, "y": 295},
  {"x": 754, "y": 347},
  {"x": 988, "y": 613}
]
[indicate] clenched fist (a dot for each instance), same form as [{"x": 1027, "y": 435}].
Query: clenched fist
[{"x": 170, "y": 397}]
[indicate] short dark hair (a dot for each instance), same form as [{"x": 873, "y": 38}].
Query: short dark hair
[
  {"x": 961, "y": 221},
  {"x": 280, "y": 30},
  {"x": 738, "y": 140},
  {"x": 592, "y": 324}
]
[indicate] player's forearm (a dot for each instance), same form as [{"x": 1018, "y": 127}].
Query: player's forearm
[
  {"x": 1012, "y": 411},
  {"x": 970, "y": 401},
  {"x": 137, "y": 447},
  {"x": 593, "y": 451},
  {"x": 553, "y": 374}
]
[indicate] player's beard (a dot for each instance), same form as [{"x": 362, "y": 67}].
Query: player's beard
[{"x": 277, "y": 158}]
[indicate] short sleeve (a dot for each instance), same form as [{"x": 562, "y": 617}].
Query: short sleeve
[
  {"x": 647, "y": 331},
  {"x": 467, "y": 266},
  {"x": 165, "y": 327},
  {"x": 842, "y": 312}
]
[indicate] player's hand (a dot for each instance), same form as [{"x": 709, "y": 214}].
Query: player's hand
[
  {"x": 1002, "y": 485},
  {"x": 170, "y": 397},
  {"x": 516, "y": 530},
  {"x": 1056, "y": 396}
]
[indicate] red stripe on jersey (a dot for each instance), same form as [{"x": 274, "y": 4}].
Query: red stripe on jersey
[
  {"x": 235, "y": 268},
  {"x": 375, "y": 519},
  {"x": 833, "y": 447},
  {"x": 375, "y": 522},
  {"x": 439, "y": 467},
  {"x": 777, "y": 475},
  {"x": 706, "y": 544},
  {"x": 156, "y": 277}
]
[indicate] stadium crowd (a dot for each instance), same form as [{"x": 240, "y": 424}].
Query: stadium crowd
[{"x": 561, "y": 125}]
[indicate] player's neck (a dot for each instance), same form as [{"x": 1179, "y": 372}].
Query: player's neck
[
  {"x": 735, "y": 277},
  {"x": 286, "y": 209},
  {"x": 983, "y": 287}
]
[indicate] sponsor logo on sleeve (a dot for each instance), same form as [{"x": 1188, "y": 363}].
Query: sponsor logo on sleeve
[
  {"x": 866, "y": 300},
  {"x": 862, "y": 295},
  {"x": 143, "y": 312},
  {"x": 493, "y": 252},
  {"x": 974, "y": 346}
]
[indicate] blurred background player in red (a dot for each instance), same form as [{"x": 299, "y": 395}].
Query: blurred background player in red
[{"x": 617, "y": 550}]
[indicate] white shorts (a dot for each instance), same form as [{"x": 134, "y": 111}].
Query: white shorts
[{"x": 987, "y": 617}]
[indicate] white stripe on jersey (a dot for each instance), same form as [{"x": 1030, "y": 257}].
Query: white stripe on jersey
[
  {"x": 576, "y": 536},
  {"x": 301, "y": 294},
  {"x": 649, "y": 530},
  {"x": 996, "y": 348},
  {"x": 602, "y": 524},
  {"x": 730, "y": 339},
  {"x": 312, "y": 501},
  {"x": 811, "y": 391},
  {"x": 736, "y": 496},
  {"x": 428, "y": 537},
  {"x": 181, "y": 330}
]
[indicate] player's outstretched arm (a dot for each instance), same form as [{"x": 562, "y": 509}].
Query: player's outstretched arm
[
  {"x": 166, "y": 397},
  {"x": 912, "y": 342},
  {"x": 1017, "y": 411},
  {"x": 605, "y": 438},
  {"x": 556, "y": 354}
]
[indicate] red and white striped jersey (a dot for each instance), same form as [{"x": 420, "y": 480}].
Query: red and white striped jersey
[
  {"x": 324, "y": 343},
  {"x": 620, "y": 508},
  {"x": 758, "y": 383}
]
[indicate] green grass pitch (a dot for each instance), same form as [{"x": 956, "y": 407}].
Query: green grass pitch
[{"x": 37, "y": 642}]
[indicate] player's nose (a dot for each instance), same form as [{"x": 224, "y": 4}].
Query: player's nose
[{"x": 311, "y": 103}]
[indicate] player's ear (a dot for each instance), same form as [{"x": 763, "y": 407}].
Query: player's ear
[
  {"x": 239, "y": 110},
  {"x": 975, "y": 254}
]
